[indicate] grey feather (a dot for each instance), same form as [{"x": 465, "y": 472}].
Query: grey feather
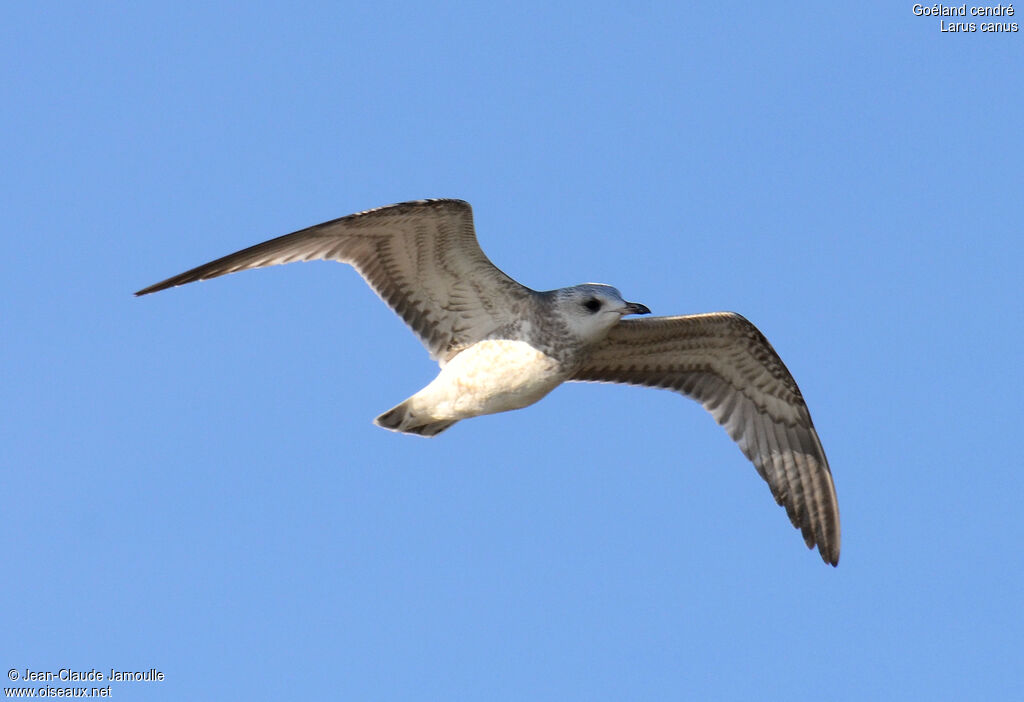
[
  {"x": 422, "y": 258},
  {"x": 723, "y": 362}
]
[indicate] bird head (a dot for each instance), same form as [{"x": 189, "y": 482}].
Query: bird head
[{"x": 591, "y": 309}]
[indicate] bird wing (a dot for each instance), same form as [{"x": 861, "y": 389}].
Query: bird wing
[
  {"x": 422, "y": 258},
  {"x": 723, "y": 362}
]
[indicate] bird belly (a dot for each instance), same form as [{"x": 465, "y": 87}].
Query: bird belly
[{"x": 490, "y": 376}]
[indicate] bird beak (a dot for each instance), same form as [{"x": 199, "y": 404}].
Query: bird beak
[{"x": 636, "y": 308}]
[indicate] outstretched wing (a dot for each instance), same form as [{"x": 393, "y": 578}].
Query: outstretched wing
[
  {"x": 421, "y": 258},
  {"x": 723, "y": 362}
]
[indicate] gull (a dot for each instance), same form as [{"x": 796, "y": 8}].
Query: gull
[{"x": 502, "y": 346}]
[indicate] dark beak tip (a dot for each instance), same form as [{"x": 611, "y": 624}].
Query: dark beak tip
[{"x": 637, "y": 308}]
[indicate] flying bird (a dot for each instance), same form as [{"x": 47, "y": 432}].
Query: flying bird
[{"x": 502, "y": 346}]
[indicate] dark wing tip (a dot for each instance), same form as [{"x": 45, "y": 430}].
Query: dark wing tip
[
  {"x": 828, "y": 549},
  {"x": 146, "y": 291},
  {"x": 181, "y": 279},
  {"x": 827, "y": 542}
]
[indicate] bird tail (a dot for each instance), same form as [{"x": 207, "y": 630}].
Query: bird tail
[{"x": 403, "y": 419}]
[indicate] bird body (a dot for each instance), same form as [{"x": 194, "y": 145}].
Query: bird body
[
  {"x": 517, "y": 364},
  {"x": 494, "y": 375},
  {"x": 502, "y": 346}
]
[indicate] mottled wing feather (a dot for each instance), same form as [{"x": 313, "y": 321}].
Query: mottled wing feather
[
  {"x": 723, "y": 362},
  {"x": 421, "y": 257}
]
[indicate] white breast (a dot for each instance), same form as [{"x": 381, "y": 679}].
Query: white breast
[{"x": 490, "y": 376}]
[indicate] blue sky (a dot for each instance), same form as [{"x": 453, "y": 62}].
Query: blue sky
[{"x": 191, "y": 481}]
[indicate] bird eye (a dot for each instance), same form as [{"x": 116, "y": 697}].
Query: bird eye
[{"x": 593, "y": 304}]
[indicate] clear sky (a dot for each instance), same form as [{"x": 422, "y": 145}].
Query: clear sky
[{"x": 191, "y": 481}]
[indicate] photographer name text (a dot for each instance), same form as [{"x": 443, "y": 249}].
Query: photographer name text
[{"x": 93, "y": 675}]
